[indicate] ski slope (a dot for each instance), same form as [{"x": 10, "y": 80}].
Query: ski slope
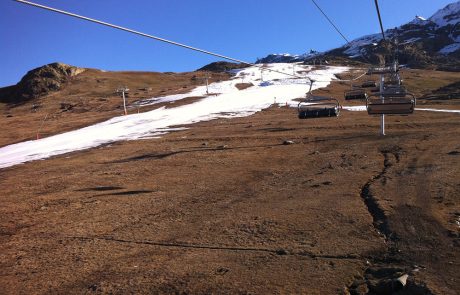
[{"x": 269, "y": 87}]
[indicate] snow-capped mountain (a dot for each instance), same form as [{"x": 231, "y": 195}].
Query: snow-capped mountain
[
  {"x": 286, "y": 57},
  {"x": 449, "y": 15},
  {"x": 440, "y": 34},
  {"x": 432, "y": 42}
]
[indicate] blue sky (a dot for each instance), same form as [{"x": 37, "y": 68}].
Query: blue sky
[{"x": 243, "y": 29}]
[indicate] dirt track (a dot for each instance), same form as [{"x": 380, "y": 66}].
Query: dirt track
[{"x": 225, "y": 207}]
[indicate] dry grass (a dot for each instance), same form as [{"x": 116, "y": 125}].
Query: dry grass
[
  {"x": 242, "y": 86},
  {"x": 224, "y": 207},
  {"x": 93, "y": 98}
]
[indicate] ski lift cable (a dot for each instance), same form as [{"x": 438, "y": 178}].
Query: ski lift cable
[
  {"x": 149, "y": 36},
  {"x": 380, "y": 18},
  {"x": 331, "y": 22},
  {"x": 336, "y": 28},
  {"x": 169, "y": 41}
]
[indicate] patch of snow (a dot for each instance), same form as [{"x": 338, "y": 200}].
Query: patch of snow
[
  {"x": 230, "y": 103},
  {"x": 411, "y": 40},
  {"x": 450, "y": 48},
  {"x": 363, "y": 109},
  {"x": 438, "y": 110},
  {"x": 355, "y": 46},
  {"x": 418, "y": 20},
  {"x": 355, "y": 108}
]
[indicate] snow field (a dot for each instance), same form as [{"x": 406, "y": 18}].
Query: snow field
[{"x": 229, "y": 103}]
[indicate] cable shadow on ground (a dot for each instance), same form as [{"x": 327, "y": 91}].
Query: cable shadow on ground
[
  {"x": 109, "y": 191},
  {"x": 159, "y": 156},
  {"x": 276, "y": 251}
]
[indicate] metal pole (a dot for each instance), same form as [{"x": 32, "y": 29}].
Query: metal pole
[
  {"x": 124, "y": 101},
  {"x": 382, "y": 118},
  {"x": 207, "y": 83},
  {"x": 41, "y": 126}
]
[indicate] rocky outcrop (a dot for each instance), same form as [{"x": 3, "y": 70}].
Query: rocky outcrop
[
  {"x": 222, "y": 66},
  {"x": 39, "y": 82}
]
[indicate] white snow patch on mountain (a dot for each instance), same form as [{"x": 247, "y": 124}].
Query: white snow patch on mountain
[
  {"x": 449, "y": 15},
  {"x": 355, "y": 46},
  {"x": 411, "y": 40},
  {"x": 450, "y": 48},
  {"x": 229, "y": 103},
  {"x": 418, "y": 20},
  {"x": 363, "y": 109}
]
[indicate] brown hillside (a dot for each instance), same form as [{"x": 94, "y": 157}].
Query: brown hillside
[
  {"x": 91, "y": 97},
  {"x": 266, "y": 204}
]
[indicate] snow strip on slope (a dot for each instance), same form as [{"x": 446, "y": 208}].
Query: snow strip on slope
[
  {"x": 363, "y": 109},
  {"x": 450, "y": 48},
  {"x": 231, "y": 102}
]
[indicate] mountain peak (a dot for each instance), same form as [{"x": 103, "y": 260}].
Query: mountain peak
[
  {"x": 39, "y": 82},
  {"x": 419, "y": 20},
  {"x": 449, "y": 15},
  {"x": 421, "y": 43}
]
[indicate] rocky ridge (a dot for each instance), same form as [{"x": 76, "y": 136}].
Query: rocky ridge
[{"x": 39, "y": 82}]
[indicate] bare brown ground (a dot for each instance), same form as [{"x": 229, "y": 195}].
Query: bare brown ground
[
  {"x": 92, "y": 98},
  {"x": 226, "y": 208}
]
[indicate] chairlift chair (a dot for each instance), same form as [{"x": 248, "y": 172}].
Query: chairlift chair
[
  {"x": 394, "y": 91},
  {"x": 318, "y": 106},
  {"x": 391, "y": 105},
  {"x": 369, "y": 84},
  {"x": 355, "y": 94},
  {"x": 376, "y": 89}
]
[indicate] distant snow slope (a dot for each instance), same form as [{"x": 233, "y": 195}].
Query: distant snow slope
[
  {"x": 231, "y": 102},
  {"x": 418, "y": 29},
  {"x": 441, "y": 29},
  {"x": 449, "y": 15}
]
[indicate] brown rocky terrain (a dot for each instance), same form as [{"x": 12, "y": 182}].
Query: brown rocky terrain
[
  {"x": 39, "y": 82},
  {"x": 222, "y": 66},
  {"x": 267, "y": 204},
  {"x": 87, "y": 98}
]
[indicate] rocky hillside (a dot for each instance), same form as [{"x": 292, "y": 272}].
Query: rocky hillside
[
  {"x": 421, "y": 43},
  {"x": 222, "y": 66},
  {"x": 39, "y": 82},
  {"x": 286, "y": 57}
]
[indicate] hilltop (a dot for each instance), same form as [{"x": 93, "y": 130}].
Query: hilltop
[
  {"x": 77, "y": 97},
  {"x": 39, "y": 82}
]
